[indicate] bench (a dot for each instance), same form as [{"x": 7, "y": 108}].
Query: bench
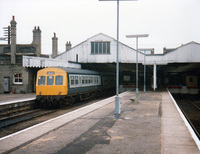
[{"x": 133, "y": 98}]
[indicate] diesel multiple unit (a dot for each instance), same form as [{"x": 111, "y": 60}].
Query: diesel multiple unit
[{"x": 57, "y": 86}]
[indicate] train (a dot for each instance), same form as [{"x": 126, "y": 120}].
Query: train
[{"x": 58, "y": 87}]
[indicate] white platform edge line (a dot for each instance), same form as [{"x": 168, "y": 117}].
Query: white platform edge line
[
  {"x": 5, "y": 137},
  {"x": 196, "y": 140}
]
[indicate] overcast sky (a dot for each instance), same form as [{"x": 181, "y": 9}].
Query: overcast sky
[{"x": 169, "y": 23}]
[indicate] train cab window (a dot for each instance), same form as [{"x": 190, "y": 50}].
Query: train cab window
[
  {"x": 41, "y": 80},
  {"x": 50, "y": 80},
  {"x": 59, "y": 80}
]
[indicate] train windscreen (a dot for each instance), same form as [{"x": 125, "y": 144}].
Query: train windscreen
[
  {"x": 41, "y": 80},
  {"x": 59, "y": 80},
  {"x": 50, "y": 80}
]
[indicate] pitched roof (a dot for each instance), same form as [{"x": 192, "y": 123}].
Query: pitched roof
[{"x": 183, "y": 45}]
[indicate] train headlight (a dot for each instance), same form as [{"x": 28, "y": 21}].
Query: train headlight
[{"x": 40, "y": 92}]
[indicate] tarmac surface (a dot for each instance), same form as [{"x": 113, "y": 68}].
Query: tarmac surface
[
  {"x": 151, "y": 124},
  {"x": 10, "y": 98}
]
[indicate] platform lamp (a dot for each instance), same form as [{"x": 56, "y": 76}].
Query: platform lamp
[
  {"x": 137, "y": 36},
  {"x": 117, "y": 99}
]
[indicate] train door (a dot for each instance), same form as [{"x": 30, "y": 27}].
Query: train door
[{"x": 6, "y": 85}]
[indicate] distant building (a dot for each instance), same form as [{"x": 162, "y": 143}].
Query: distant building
[
  {"x": 14, "y": 77},
  {"x": 147, "y": 51}
]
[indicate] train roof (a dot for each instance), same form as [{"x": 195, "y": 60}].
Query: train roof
[{"x": 79, "y": 71}]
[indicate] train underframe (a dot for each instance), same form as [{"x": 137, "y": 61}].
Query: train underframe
[{"x": 60, "y": 101}]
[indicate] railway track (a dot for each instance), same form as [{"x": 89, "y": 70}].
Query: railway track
[
  {"x": 190, "y": 107},
  {"x": 12, "y": 120},
  {"x": 24, "y": 120}
]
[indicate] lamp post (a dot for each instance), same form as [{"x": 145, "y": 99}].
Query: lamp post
[
  {"x": 137, "y": 36},
  {"x": 117, "y": 98},
  {"x": 144, "y": 71}
]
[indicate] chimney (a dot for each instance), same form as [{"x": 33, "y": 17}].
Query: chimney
[
  {"x": 37, "y": 40},
  {"x": 152, "y": 51},
  {"x": 164, "y": 50},
  {"x": 13, "y": 24},
  {"x": 54, "y": 46},
  {"x": 68, "y": 45}
]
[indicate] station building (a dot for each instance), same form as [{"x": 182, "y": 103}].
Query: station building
[
  {"x": 19, "y": 63},
  {"x": 14, "y": 77},
  {"x": 177, "y": 68}
]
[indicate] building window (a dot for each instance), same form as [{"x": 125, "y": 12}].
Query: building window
[
  {"x": 100, "y": 47},
  {"x": 17, "y": 78}
]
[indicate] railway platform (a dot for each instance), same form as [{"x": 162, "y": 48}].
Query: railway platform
[
  {"x": 12, "y": 98},
  {"x": 150, "y": 124}
]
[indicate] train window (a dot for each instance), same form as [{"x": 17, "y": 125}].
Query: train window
[
  {"x": 72, "y": 80},
  {"x": 86, "y": 80},
  {"x": 80, "y": 79},
  {"x": 95, "y": 80},
  {"x": 76, "y": 79},
  {"x": 59, "y": 80},
  {"x": 41, "y": 80},
  {"x": 91, "y": 79},
  {"x": 50, "y": 80},
  {"x": 83, "y": 80}
]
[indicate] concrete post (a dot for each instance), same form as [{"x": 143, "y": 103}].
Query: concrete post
[
  {"x": 13, "y": 40},
  {"x": 154, "y": 77}
]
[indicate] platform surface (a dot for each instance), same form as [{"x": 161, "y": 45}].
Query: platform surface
[
  {"x": 149, "y": 125},
  {"x": 13, "y": 98}
]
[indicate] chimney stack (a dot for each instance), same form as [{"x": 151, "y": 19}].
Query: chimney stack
[
  {"x": 68, "y": 45},
  {"x": 54, "y": 46},
  {"x": 13, "y": 40},
  {"x": 37, "y": 40},
  {"x": 164, "y": 50}
]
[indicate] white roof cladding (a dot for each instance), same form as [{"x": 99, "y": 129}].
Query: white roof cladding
[
  {"x": 29, "y": 61},
  {"x": 188, "y": 53},
  {"x": 82, "y": 53},
  {"x": 83, "y": 50}
]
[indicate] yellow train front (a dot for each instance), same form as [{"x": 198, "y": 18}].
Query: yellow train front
[{"x": 61, "y": 86}]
